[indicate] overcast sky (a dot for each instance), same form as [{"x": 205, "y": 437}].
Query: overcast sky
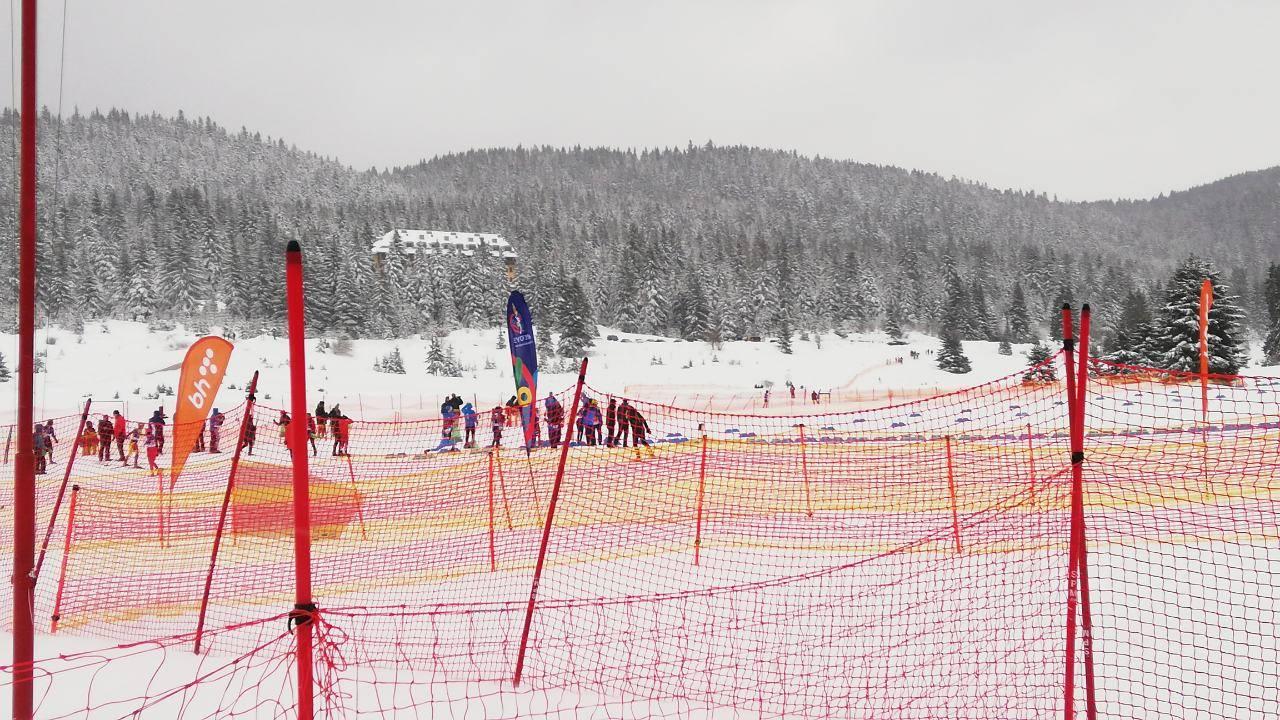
[{"x": 1085, "y": 100}]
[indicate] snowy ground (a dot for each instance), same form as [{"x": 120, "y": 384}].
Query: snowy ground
[{"x": 120, "y": 363}]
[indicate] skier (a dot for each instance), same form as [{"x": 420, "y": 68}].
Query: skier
[
  {"x": 51, "y": 437},
  {"x": 283, "y": 421},
  {"x": 250, "y": 435},
  {"x": 591, "y": 419},
  {"x": 555, "y": 420},
  {"x": 200, "y": 437},
  {"x": 118, "y": 430},
  {"x": 446, "y": 417},
  {"x": 89, "y": 440},
  {"x": 469, "y": 419},
  {"x": 157, "y": 427},
  {"x": 215, "y": 429},
  {"x": 104, "y": 439},
  {"x": 40, "y": 447},
  {"x": 322, "y": 419},
  {"x": 624, "y": 423},
  {"x": 135, "y": 436},
  {"x": 639, "y": 432},
  {"x": 792, "y": 388},
  {"x": 766, "y": 397},
  {"x": 498, "y": 419},
  {"x": 342, "y": 433},
  {"x": 311, "y": 433},
  {"x": 152, "y": 443},
  {"x": 611, "y": 421},
  {"x": 815, "y": 397}
]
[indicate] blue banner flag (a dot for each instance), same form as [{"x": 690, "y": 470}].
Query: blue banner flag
[{"x": 524, "y": 360}]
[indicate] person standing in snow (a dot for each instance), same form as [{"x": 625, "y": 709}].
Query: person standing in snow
[
  {"x": 624, "y": 423},
  {"x": 555, "y": 420},
  {"x": 498, "y": 418},
  {"x": 469, "y": 419},
  {"x": 283, "y": 423},
  {"x": 311, "y": 434},
  {"x": 639, "y": 432},
  {"x": 204, "y": 424},
  {"x": 51, "y": 438},
  {"x": 40, "y": 448},
  {"x": 611, "y": 421},
  {"x": 118, "y": 431},
  {"x": 157, "y": 427},
  {"x": 250, "y": 435},
  {"x": 322, "y": 419},
  {"x": 135, "y": 437},
  {"x": 152, "y": 443},
  {"x": 215, "y": 429},
  {"x": 591, "y": 419},
  {"x": 104, "y": 439}
]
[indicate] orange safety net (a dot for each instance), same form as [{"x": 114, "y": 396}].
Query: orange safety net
[{"x": 901, "y": 561}]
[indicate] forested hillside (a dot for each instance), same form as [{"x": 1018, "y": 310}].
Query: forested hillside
[{"x": 150, "y": 217}]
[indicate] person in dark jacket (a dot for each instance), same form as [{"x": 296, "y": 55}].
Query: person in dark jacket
[
  {"x": 200, "y": 437},
  {"x": 283, "y": 422},
  {"x": 105, "y": 430},
  {"x": 591, "y": 420},
  {"x": 639, "y": 432},
  {"x": 555, "y": 420},
  {"x": 51, "y": 438},
  {"x": 498, "y": 418},
  {"x": 119, "y": 429},
  {"x": 322, "y": 419},
  {"x": 624, "y": 424},
  {"x": 250, "y": 435},
  {"x": 311, "y": 433},
  {"x": 215, "y": 429},
  {"x": 611, "y": 421},
  {"x": 40, "y": 447},
  {"x": 157, "y": 428}
]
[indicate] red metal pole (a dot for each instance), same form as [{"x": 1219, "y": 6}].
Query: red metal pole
[
  {"x": 359, "y": 501},
  {"x": 24, "y": 477},
  {"x": 1073, "y": 566},
  {"x": 62, "y": 491},
  {"x": 493, "y": 556},
  {"x": 226, "y": 502},
  {"x": 502, "y": 486},
  {"x": 303, "y": 609},
  {"x": 804, "y": 470},
  {"x": 702, "y": 489},
  {"x": 546, "y": 527},
  {"x": 66, "y": 553},
  {"x": 951, "y": 489},
  {"x": 1077, "y": 481},
  {"x": 1031, "y": 463}
]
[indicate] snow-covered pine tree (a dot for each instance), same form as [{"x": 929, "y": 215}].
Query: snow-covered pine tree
[
  {"x": 440, "y": 359},
  {"x": 1127, "y": 344},
  {"x": 1038, "y": 370},
  {"x": 502, "y": 339},
  {"x": 392, "y": 363},
  {"x": 1174, "y": 342},
  {"x": 1271, "y": 301},
  {"x": 577, "y": 328},
  {"x": 893, "y": 329},
  {"x": 5, "y": 375},
  {"x": 951, "y": 357},
  {"x": 1005, "y": 347}
]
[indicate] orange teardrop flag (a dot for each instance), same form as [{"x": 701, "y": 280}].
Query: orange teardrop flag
[
  {"x": 1206, "y": 302},
  {"x": 202, "y": 373}
]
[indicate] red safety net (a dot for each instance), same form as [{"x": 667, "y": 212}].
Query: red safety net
[{"x": 903, "y": 561}]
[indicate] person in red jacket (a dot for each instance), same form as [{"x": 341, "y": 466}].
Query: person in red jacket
[
  {"x": 119, "y": 430},
  {"x": 555, "y": 420},
  {"x": 497, "y": 418}
]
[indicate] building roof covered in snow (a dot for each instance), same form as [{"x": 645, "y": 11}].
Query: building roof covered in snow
[{"x": 445, "y": 242}]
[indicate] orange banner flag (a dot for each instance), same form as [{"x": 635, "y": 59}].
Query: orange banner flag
[{"x": 202, "y": 373}]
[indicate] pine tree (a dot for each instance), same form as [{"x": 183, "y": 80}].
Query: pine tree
[
  {"x": 1271, "y": 300},
  {"x": 894, "y": 330},
  {"x": 1174, "y": 343},
  {"x": 1005, "y": 347},
  {"x": 502, "y": 339},
  {"x": 440, "y": 359},
  {"x": 951, "y": 357},
  {"x": 4, "y": 370},
  {"x": 1039, "y": 371},
  {"x": 392, "y": 363},
  {"x": 784, "y": 334},
  {"x": 577, "y": 330},
  {"x": 1128, "y": 342}
]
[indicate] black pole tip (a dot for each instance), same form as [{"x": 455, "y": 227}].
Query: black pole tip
[
  {"x": 293, "y": 247},
  {"x": 1084, "y": 308},
  {"x": 1066, "y": 306}
]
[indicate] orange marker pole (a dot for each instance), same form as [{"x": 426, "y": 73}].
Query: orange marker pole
[
  {"x": 66, "y": 554},
  {"x": 951, "y": 487},
  {"x": 702, "y": 489}
]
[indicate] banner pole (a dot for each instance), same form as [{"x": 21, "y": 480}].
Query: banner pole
[
  {"x": 66, "y": 554},
  {"x": 62, "y": 490},
  {"x": 546, "y": 528},
  {"x": 226, "y": 502},
  {"x": 24, "y": 478},
  {"x": 304, "y": 611}
]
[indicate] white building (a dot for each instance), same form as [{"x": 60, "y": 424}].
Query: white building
[{"x": 446, "y": 242}]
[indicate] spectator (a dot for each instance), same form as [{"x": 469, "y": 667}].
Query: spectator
[
  {"x": 624, "y": 423},
  {"x": 200, "y": 437},
  {"x": 40, "y": 447},
  {"x": 322, "y": 419},
  {"x": 469, "y": 418},
  {"x": 283, "y": 422},
  {"x": 152, "y": 443},
  {"x": 89, "y": 439},
  {"x": 51, "y": 437},
  {"x": 250, "y": 434},
  {"x": 498, "y": 418},
  {"x": 105, "y": 429},
  {"x": 639, "y": 432},
  {"x": 119, "y": 429},
  {"x": 215, "y": 430},
  {"x": 611, "y": 421},
  {"x": 555, "y": 420},
  {"x": 311, "y": 434},
  {"x": 135, "y": 436}
]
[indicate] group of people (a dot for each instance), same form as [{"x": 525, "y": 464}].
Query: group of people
[
  {"x": 98, "y": 438},
  {"x": 813, "y": 396},
  {"x": 622, "y": 421},
  {"x": 327, "y": 423}
]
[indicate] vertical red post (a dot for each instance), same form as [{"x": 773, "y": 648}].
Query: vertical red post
[
  {"x": 702, "y": 490},
  {"x": 66, "y": 554},
  {"x": 502, "y": 486},
  {"x": 303, "y": 609},
  {"x": 226, "y": 502},
  {"x": 804, "y": 470},
  {"x": 493, "y": 554},
  {"x": 546, "y": 527},
  {"x": 1031, "y": 463},
  {"x": 24, "y": 475},
  {"x": 1073, "y": 568},
  {"x": 1206, "y": 303},
  {"x": 355, "y": 489},
  {"x": 62, "y": 491},
  {"x": 1077, "y": 481},
  {"x": 955, "y": 506}
]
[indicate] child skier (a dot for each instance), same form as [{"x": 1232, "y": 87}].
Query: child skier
[
  {"x": 555, "y": 420},
  {"x": 498, "y": 418},
  {"x": 134, "y": 438},
  {"x": 469, "y": 419}
]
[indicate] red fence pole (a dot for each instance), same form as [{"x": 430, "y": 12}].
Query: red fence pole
[
  {"x": 303, "y": 610},
  {"x": 546, "y": 527},
  {"x": 351, "y": 471},
  {"x": 1073, "y": 568},
  {"x": 66, "y": 553},
  {"x": 1031, "y": 463},
  {"x": 226, "y": 502},
  {"x": 804, "y": 469},
  {"x": 951, "y": 489},
  {"x": 62, "y": 491},
  {"x": 1077, "y": 490},
  {"x": 24, "y": 477},
  {"x": 493, "y": 555},
  {"x": 502, "y": 486},
  {"x": 702, "y": 489}
]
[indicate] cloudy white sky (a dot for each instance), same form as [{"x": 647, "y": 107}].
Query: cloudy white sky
[{"x": 1083, "y": 99}]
